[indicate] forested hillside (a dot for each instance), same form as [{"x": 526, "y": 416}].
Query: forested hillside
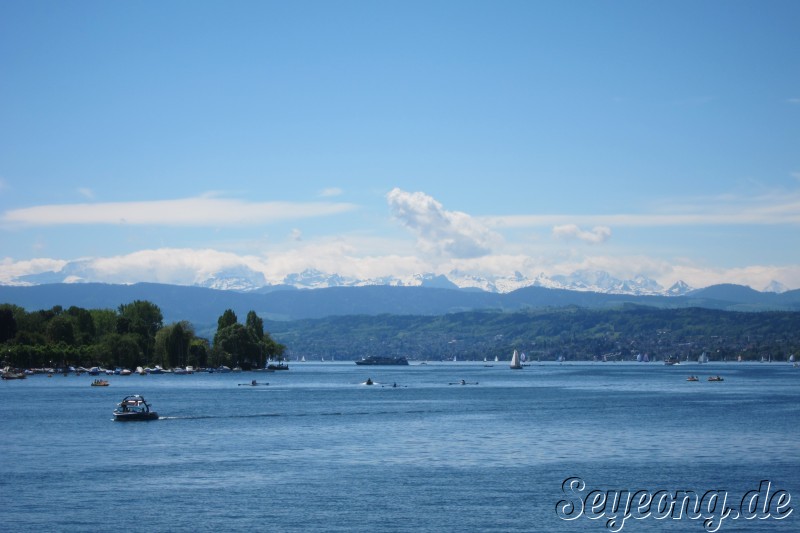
[{"x": 576, "y": 334}]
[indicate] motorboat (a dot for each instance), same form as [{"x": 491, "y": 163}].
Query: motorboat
[
  {"x": 99, "y": 383},
  {"x": 9, "y": 373},
  {"x": 134, "y": 408},
  {"x": 692, "y": 378},
  {"x": 715, "y": 378}
]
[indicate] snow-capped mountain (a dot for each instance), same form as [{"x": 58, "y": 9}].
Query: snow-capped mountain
[
  {"x": 776, "y": 287},
  {"x": 243, "y": 278},
  {"x": 587, "y": 281},
  {"x": 239, "y": 278},
  {"x": 679, "y": 288}
]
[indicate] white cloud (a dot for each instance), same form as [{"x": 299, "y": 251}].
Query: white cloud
[
  {"x": 596, "y": 235},
  {"x": 330, "y": 192},
  {"x": 770, "y": 208},
  {"x": 86, "y": 192},
  {"x": 296, "y": 235},
  {"x": 438, "y": 231},
  {"x": 346, "y": 257},
  {"x": 11, "y": 269},
  {"x": 199, "y": 211}
]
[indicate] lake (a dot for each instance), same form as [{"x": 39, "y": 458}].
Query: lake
[{"x": 316, "y": 450}]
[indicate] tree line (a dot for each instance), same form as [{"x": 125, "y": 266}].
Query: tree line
[
  {"x": 127, "y": 337},
  {"x": 573, "y": 333}
]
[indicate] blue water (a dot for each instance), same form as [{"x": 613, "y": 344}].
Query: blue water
[{"x": 318, "y": 451}]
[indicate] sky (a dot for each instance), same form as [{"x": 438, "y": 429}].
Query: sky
[{"x": 168, "y": 141}]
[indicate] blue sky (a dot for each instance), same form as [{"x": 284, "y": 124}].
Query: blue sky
[{"x": 161, "y": 141}]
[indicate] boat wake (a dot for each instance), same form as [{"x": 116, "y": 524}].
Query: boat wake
[{"x": 383, "y": 412}]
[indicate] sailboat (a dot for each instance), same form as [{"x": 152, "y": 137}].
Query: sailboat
[
  {"x": 515, "y": 362},
  {"x": 703, "y": 358}
]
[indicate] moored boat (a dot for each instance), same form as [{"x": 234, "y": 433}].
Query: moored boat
[
  {"x": 9, "y": 373},
  {"x": 134, "y": 408}
]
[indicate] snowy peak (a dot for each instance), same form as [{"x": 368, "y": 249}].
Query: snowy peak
[
  {"x": 679, "y": 288},
  {"x": 311, "y": 278},
  {"x": 776, "y": 287},
  {"x": 582, "y": 280}
]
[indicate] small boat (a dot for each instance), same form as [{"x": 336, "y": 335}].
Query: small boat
[
  {"x": 8, "y": 373},
  {"x": 516, "y": 364},
  {"x": 692, "y": 378},
  {"x": 99, "y": 383},
  {"x": 134, "y": 408},
  {"x": 672, "y": 361},
  {"x": 253, "y": 383},
  {"x": 279, "y": 366},
  {"x": 368, "y": 382},
  {"x": 715, "y": 378}
]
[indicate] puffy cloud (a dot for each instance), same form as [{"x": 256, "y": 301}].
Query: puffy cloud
[
  {"x": 596, "y": 235},
  {"x": 199, "y": 211},
  {"x": 438, "y": 231},
  {"x": 10, "y": 270}
]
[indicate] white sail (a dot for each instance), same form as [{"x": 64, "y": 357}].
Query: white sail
[{"x": 515, "y": 363}]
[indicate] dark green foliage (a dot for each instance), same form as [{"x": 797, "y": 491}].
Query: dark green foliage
[
  {"x": 8, "y": 324},
  {"x": 577, "y": 334},
  {"x": 247, "y": 345}
]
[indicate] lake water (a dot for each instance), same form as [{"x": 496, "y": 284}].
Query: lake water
[{"x": 316, "y": 450}]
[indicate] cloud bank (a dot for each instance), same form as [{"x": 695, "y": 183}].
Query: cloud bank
[{"x": 199, "y": 211}]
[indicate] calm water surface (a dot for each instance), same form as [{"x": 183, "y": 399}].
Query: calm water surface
[{"x": 318, "y": 451}]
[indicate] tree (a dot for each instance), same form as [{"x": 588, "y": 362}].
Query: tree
[
  {"x": 83, "y": 324},
  {"x": 255, "y": 324},
  {"x": 8, "y": 324},
  {"x": 60, "y": 329},
  {"x": 228, "y": 318},
  {"x": 105, "y": 321},
  {"x": 144, "y": 319}
]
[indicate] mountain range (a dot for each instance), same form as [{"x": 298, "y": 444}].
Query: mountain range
[
  {"x": 244, "y": 279},
  {"x": 203, "y": 306}
]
